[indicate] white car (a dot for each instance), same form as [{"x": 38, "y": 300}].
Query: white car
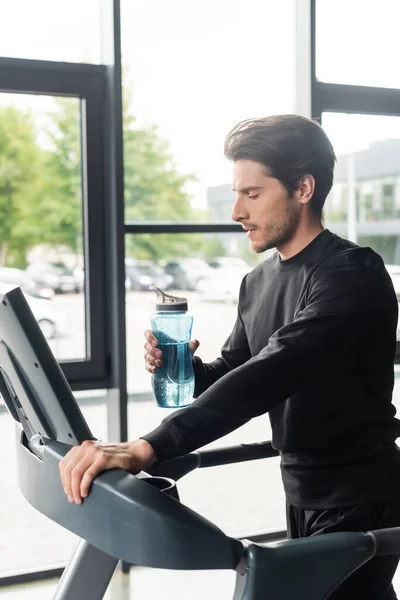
[
  {"x": 230, "y": 262},
  {"x": 51, "y": 321},
  {"x": 17, "y": 278},
  {"x": 221, "y": 285}
]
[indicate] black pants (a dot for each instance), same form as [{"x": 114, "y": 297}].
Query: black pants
[{"x": 373, "y": 580}]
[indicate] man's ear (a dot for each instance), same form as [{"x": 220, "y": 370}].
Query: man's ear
[{"x": 305, "y": 189}]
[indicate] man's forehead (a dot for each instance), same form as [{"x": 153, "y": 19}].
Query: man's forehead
[{"x": 249, "y": 175}]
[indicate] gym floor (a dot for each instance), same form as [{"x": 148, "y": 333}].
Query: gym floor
[
  {"x": 150, "y": 584},
  {"x": 144, "y": 584}
]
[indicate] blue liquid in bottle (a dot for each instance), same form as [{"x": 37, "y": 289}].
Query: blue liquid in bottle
[{"x": 173, "y": 382}]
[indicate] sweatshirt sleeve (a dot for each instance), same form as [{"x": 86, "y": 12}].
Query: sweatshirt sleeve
[
  {"x": 235, "y": 352},
  {"x": 347, "y": 295}
]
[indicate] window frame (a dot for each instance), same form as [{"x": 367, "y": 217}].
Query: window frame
[
  {"x": 88, "y": 83},
  {"x": 354, "y": 99}
]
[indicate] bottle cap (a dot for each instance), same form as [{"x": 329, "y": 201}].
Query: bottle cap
[{"x": 169, "y": 302}]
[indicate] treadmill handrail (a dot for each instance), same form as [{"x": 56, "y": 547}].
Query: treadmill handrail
[
  {"x": 387, "y": 541},
  {"x": 214, "y": 457},
  {"x": 124, "y": 516}
]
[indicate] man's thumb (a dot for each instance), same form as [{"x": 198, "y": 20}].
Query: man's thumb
[{"x": 193, "y": 345}]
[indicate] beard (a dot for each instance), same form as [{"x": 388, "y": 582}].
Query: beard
[{"x": 279, "y": 231}]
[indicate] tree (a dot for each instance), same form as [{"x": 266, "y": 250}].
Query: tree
[
  {"x": 40, "y": 185},
  {"x": 19, "y": 159},
  {"x": 59, "y": 197},
  {"x": 40, "y": 182},
  {"x": 154, "y": 191}
]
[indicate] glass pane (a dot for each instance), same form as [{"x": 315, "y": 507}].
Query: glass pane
[
  {"x": 356, "y": 42},
  {"x": 191, "y": 265},
  {"x": 67, "y": 31},
  {"x": 186, "y": 84},
  {"x": 239, "y": 498},
  {"x": 41, "y": 228},
  {"x": 21, "y": 525},
  {"x": 364, "y": 204},
  {"x": 195, "y": 272}
]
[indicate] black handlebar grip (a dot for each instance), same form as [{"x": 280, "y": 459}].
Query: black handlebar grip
[{"x": 387, "y": 541}]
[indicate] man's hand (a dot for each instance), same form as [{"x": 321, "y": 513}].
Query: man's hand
[
  {"x": 153, "y": 355},
  {"x": 80, "y": 466}
]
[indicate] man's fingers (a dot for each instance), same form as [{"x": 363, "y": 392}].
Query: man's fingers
[
  {"x": 193, "y": 345},
  {"x": 151, "y": 361},
  {"x": 151, "y": 351},
  {"x": 83, "y": 463},
  {"x": 73, "y": 466},
  {"x": 89, "y": 475},
  {"x": 68, "y": 459},
  {"x": 149, "y": 347},
  {"x": 148, "y": 334},
  {"x": 77, "y": 474},
  {"x": 152, "y": 354}
]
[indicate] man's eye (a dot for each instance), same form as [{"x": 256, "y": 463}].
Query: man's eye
[{"x": 253, "y": 197}]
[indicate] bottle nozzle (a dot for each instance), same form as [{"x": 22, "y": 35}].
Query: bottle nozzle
[
  {"x": 160, "y": 293},
  {"x": 168, "y": 301}
]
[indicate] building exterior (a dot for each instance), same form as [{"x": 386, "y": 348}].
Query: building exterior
[{"x": 376, "y": 185}]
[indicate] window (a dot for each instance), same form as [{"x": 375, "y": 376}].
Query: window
[
  {"x": 356, "y": 42},
  {"x": 41, "y": 209},
  {"x": 257, "y": 503},
  {"x": 363, "y": 204},
  {"x": 52, "y": 204},
  {"x": 189, "y": 76},
  {"x": 66, "y": 31}
]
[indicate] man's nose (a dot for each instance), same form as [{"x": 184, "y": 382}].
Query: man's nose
[{"x": 238, "y": 211}]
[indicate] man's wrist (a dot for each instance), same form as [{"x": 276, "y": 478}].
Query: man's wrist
[{"x": 144, "y": 452}]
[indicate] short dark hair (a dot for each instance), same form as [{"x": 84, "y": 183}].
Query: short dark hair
[{"x": 289, "y": 146}]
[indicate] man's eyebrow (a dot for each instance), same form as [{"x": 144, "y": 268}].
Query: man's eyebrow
[{"x": 247, "y": 189}]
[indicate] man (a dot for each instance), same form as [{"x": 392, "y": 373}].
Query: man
[{"x": 313, "y": 345}]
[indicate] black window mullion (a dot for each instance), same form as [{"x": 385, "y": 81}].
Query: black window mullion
[
  {"x": 131, "y": 228},
  {"x": 355, "y": 99}
]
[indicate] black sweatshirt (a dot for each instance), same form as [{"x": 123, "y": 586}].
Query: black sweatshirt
[{"x": 313, "y": 345}]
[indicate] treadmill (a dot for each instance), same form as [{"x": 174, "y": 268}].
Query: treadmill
[{"x": 139, "y": 519}]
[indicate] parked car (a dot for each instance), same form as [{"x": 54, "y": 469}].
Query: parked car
[
  {"x": 49, "y": 317},
  {"x": 19, "y": 278},
  {"x": 223, "y": 281},
  {"x": 221, "y": 287},
  {"x": 230, "y": 262},
  {"x": 142, "y": 274},
  {"x": 187, "y": 272},
  {"x": 55, "y": 275}
]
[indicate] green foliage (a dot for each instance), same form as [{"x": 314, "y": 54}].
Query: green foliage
[
  {"x": 211, "y": 247},
  {"x": 164, "y": 246},
  {"x": 59, "y": 205},
  {"x": 41, "y": 188},
  {"x": 154, "y": 191},
  {"x": 18, "y": 177}
]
